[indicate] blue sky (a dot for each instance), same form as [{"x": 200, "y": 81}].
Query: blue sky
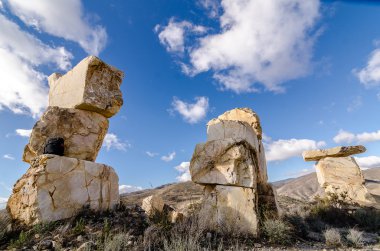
[{"x": 310, "y": 69}]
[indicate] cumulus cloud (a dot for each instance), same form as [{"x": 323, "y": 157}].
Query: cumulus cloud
[
  {"x": 184, "y": 171},
  {"x": 191, "y": 112},
  {"x": 111, "y": 140},
  {"x": 128, "y": 189},
  {"x": 169, "y": 157},
  {"x": 151, "y": 154},
  {"x": 65, "y": 19},
  {"x": 348, "y": 137},
  {"x": 370, "y": 74},
  {"x": 260, "y": 43},
  {"x": 172, "y": 36},
  {"x": 8, "y": 156},
  {"x": 22, "y": 86},
  {"x": 284, "y": 149},
  {"x": 368, "y": 162},
  {"x": 344, "y": 137},
  {"x": 24, "y": 132}
]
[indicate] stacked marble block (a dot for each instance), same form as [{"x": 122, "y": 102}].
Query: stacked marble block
[
  {"x": 56, "y": 187},
  {"x": 339, "y": 174},
  {"x": 232, "y": 167}
]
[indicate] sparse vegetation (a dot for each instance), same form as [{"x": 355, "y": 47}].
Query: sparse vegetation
[
  {"x": 118, "y": 242},
  {"x": 277, "y": 231},
  {"x": 332, "y": 237},
  {"x": 355, "y": 237}
]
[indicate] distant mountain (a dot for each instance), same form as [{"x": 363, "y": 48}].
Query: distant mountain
[
  {"x": 306, "y": 187},
  {"x": 302, "y": 188}
]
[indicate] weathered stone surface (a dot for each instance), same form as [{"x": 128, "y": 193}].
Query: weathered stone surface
[
  {"x": 243, "y": 115},
  {"x": 343, "y": 176},
  {"x": 339, "y": 151},
  {"x": 232, "y": 129},
  {"x": 152, "y": 204},
  {"x": 224, "y": 162},
  {"x": 91, "y": 85},
  {"x": 229, "y": 208},
  {"x": 56, "y": 187},
  {"x": 83, "y": 132},
  {"x": 267, "y": 200}
]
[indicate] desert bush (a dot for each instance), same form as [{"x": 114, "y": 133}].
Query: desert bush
[
  {"x": 118, "y": 242},
  {"x": 332, "y": 237},
  {"x": 79, "y": 226},
  {"x": 368, "y": 219},
  {"x": 355, "y": 237},
  {"x": 277, "y": 231}
]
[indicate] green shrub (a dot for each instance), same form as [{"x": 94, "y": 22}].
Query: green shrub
[
  {"x": 368, "y": 219},
  {"x": 79, "y": 226},
  {"x": 332, "y": 237},
  {"x": 355, "y": 237},
  {"x": 118, "y": 242},
  {"x": 277, "y": 231}
]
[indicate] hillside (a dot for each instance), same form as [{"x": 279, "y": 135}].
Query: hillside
[{"x": 302, "y": 188}]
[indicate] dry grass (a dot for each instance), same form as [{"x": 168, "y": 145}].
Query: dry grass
[
  {"x": 355, "y": 237},
  {"x": 332, "y": 237},
  {"x": 277, "y": 231}
]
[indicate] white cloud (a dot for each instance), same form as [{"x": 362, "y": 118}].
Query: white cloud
[
  {"x": 183, "y": 168},
  {"x": 128, "y": 189},
  {"x": 112, "y": 141},
  {"x": 265, "y": 42},
  {"x": 348, "y": 137},
  {"x": 64, "y": 19},
  {"x": 172, "y": 36},
  {"x": 191, "y": 113},
  {"x": 151, "y": 154},
  {"x": 355, "y": 104},
  {"x": 368, "y": 162},
  {"x": 301, "y": 172},
  {"x": 344, "y": 137},
  {"x": 370, "y": 75},
  {"x": 284, "y": 149},
  {"x": 22, "y": 86},
  {"x": 24, "y": 132},
  {"x": 8, "y": 156},
  {"x": 212, "y": 6},
  {"x": 168, "y": 157}
]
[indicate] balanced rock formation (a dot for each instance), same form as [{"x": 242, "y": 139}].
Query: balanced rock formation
[
  {"x": 339, "y": 151},
  {"x": 339, "y": 174},
  {"x": 83, "y": 132},
  {"x": 232, "y": 167},
  {"x": 91, "y": 85},
  {"x": 56, "y": 187}
]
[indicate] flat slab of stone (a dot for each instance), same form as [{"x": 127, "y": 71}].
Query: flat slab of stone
[
  {"x": 225, "y": 162},
  {"x": 91, "y": 85},
  {"x": 244, "y": 115},
  {"x": 83, "y": 132},
  {"x": 230, "y": 209},
  {"x": 339, "y": 151},
  {"x": 225, "y": 129},
  {"x": 56, "y": 187},
  {"x": 342, "y": 176}
]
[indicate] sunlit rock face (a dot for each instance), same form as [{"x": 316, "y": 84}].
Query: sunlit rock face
[
  {"x": 232, "y": 167},
  {"x": 91, "y": 85},
  {"x": 83, "y": 132},
  {"x": 339, "y": 174},
  {"x": 56, "y": 187},
  {"x": 343, "y": 177},
  {"x": 230, "y": 209}
]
